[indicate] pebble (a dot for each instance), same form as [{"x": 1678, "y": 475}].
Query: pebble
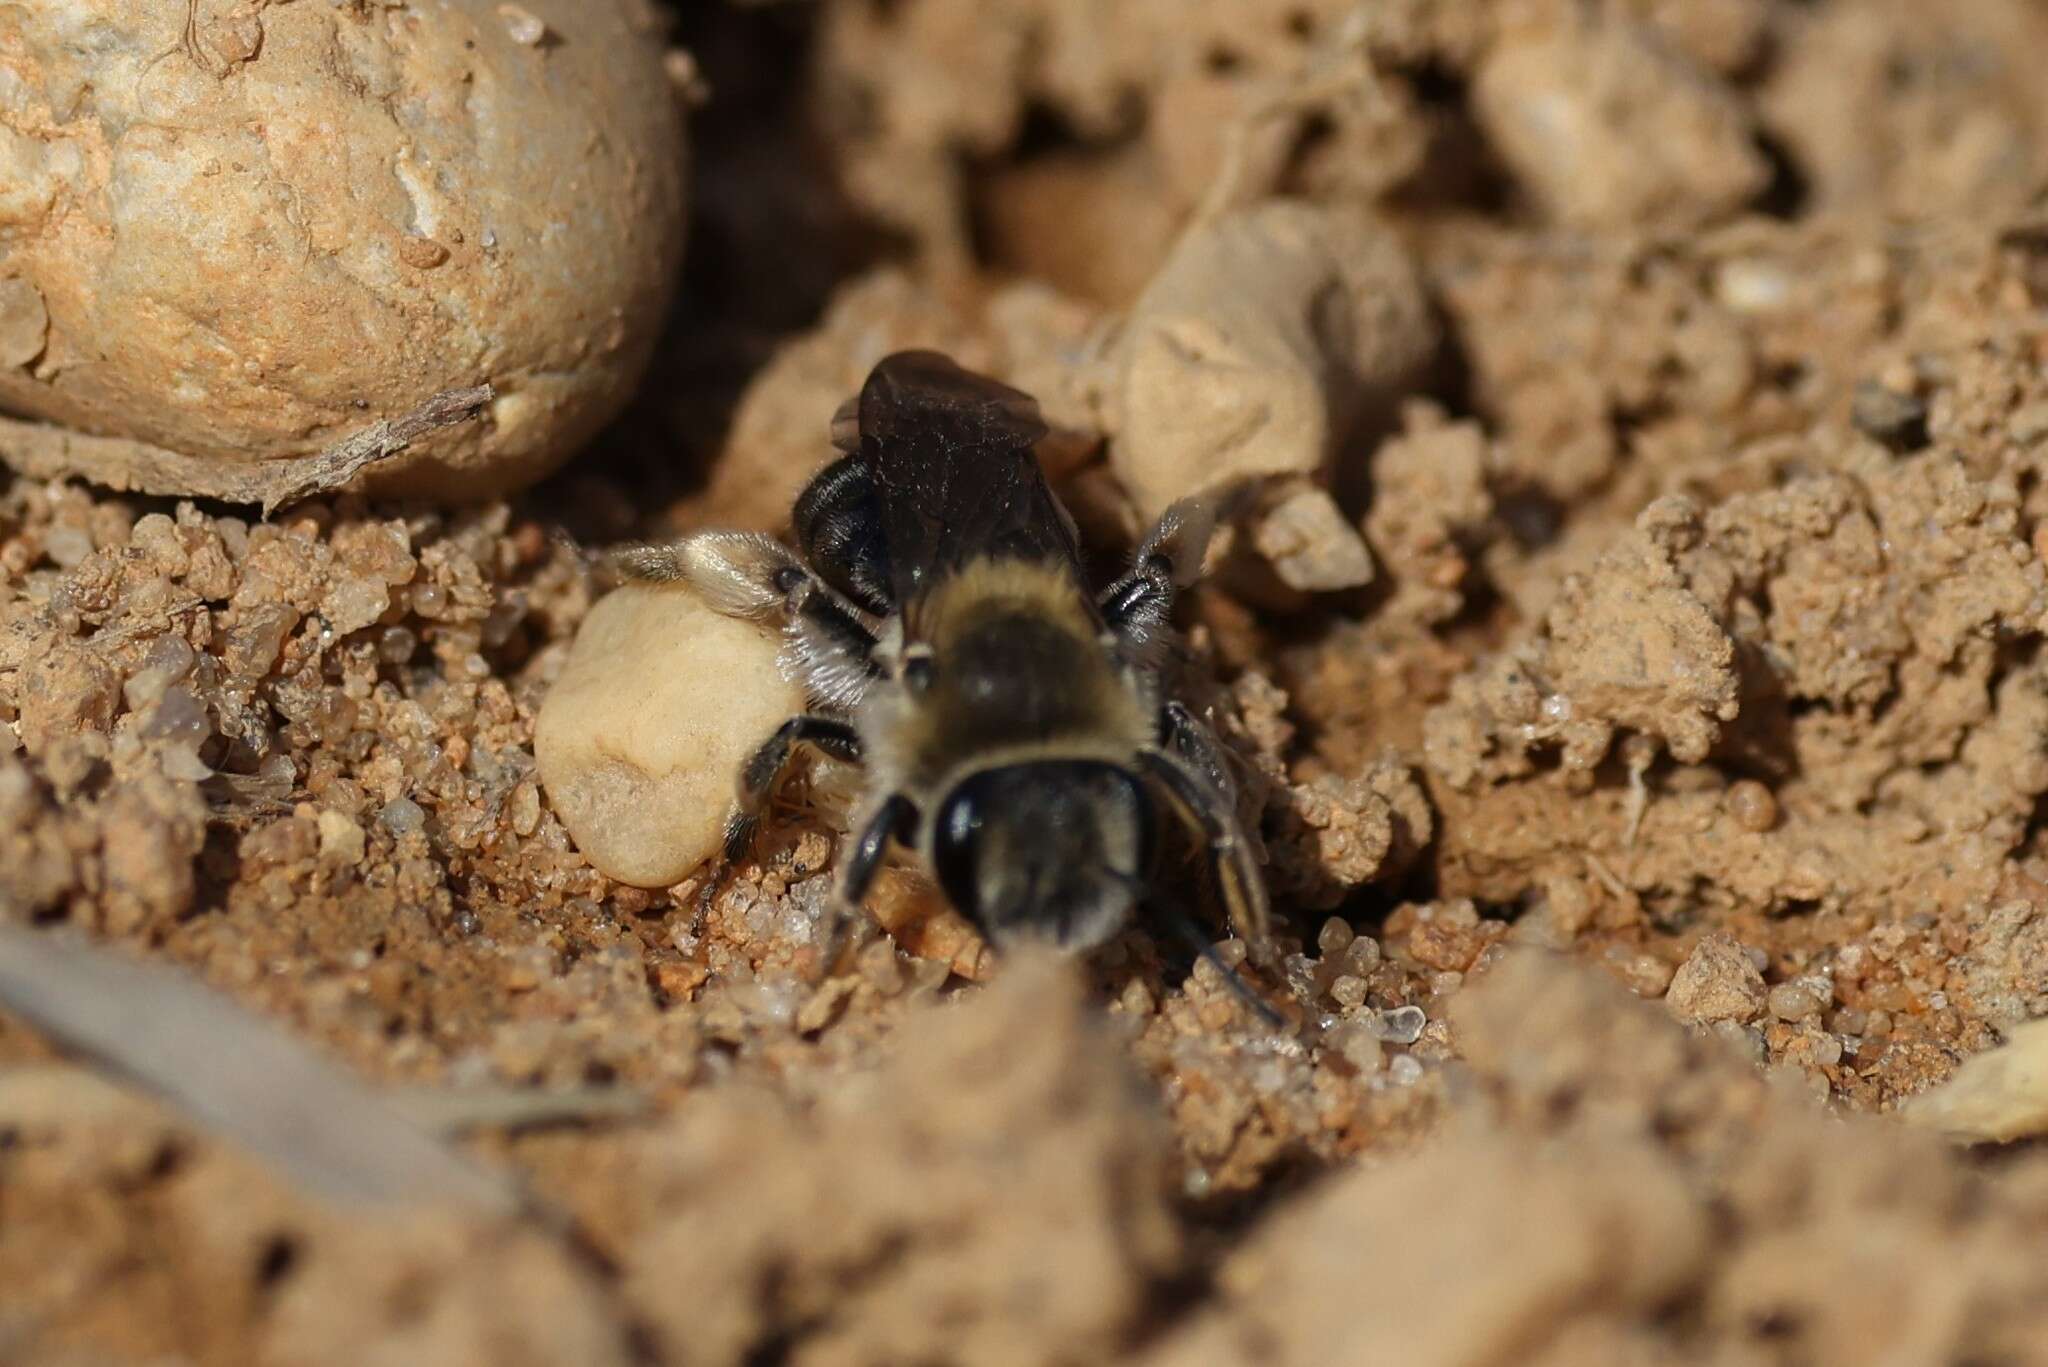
[
  {"x": 341, "y": 840},
  {"x": 403, "y": 816},
  {"x": 1362, "y": 956},
  {"x": 1825, "y": 1049},
  {"x": 1645, "y": 974},
  {"x": 1894, "y": 419},
  {"x": 1754, "y": 807},
  {"x": 2029, "y": 423},
  {"x": 639, "y": 739},
  {"x": 1402, "y": 1025},
  {"x": 523, "y": 811},
  {"x": 1752, "y": 285},
  {"x": 1746, "y": 1038},
  {"x": 523, "y": 26},
  {"x": 66, "y": 545},
  {"x": 1717, "y": 982},
  {"x": 1569, "y": 906},
  {"x": 1800, "y": 999},
  {"x": 397, "y": 644},
  {"x": 1335, "y": 936},
  {"x": 1358, "y": 1046}
]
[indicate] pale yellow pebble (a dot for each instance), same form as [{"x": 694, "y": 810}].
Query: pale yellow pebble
[{"x": 641, "y": 736}]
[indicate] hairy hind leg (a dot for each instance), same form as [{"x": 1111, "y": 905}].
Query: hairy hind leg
[
  {"x": 1137, "y": 606},
  {"x": 757, "y": 578}
]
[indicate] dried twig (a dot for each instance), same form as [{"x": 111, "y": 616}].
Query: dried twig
[
  {"x": 338, "y": 464},
  {"x": 236, "y": 1074},
  {"x": 43, "y": 451}
]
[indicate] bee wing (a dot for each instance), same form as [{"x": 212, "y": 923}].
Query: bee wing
[{"x": 951, "y": 454}]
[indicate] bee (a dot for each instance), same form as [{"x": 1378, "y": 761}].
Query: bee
[{"x": 1011, "y": 721}]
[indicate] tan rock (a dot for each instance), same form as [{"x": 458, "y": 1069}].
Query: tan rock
[
  {"x": 1717, "y": 982},
  {"x": 640, "y": 737},
  {"x": 1267, "y": 333},
  {"x": 270, "y": 228}
]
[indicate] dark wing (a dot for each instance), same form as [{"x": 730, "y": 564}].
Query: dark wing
[{"x": 954, "y": 474}]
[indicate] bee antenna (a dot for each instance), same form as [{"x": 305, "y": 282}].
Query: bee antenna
[{"x": 1191, "y": 934}]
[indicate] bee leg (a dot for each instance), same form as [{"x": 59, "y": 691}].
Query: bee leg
[
  {"x": 1190, "y": 739},
  {"x": 1205, "y": 811},
  {"x": 759, "y": 776},
  {"x": 831, "y": 650},
  {"x": 1183, "y": 925},
  {"x": 1137, "y": 606},
  {"x": 756, "y": 578},
  {"x": 895, "y": 820},
  {"x": 741, "y": 574},
  {"x": 762, "y": 770}
]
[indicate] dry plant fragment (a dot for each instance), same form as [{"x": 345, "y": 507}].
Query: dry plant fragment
[
  {"x": 1998, "y": 1096},
  {"x": 46, "y": 452},
  {"x": 236, "y": 1074}
]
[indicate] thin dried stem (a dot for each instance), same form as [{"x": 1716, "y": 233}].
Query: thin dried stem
[
  {"x": 44, "y": 451},
  {"x": 236, "y": 1074}
]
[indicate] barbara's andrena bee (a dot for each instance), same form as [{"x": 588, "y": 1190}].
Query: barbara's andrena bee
[{"x": 1011, "y": 721}]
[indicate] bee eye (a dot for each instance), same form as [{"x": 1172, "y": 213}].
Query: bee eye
[{"x": 918, "y": 672}]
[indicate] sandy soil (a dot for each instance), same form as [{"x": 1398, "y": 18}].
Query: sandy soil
[{"x": 1662, "y": 816}]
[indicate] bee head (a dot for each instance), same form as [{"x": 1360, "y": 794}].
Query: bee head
[{"x": 1049, "y": 850}]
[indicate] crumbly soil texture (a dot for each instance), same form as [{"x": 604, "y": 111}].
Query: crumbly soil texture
[{"x": 1662, "y": 816}]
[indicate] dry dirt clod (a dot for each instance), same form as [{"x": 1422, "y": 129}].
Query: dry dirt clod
[
  {"x": 1717, "y": 982},
  {"x": 24, "y": 322},
  {"x": 1752, "y": 804},
  {"x": 1607, "y": 127},
  {"x": 1305, "y": 537},
  {"x": 1002, "y": 1162},
  {"x": 1266, "y": 334}
]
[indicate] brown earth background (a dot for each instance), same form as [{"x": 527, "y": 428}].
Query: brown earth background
[{"x": 1663, "y": 815}]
